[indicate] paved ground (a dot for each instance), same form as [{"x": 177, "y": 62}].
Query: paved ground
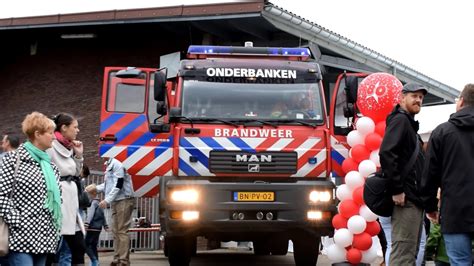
[
  {"x": 221, "y": 257},
  {"x": 228, "y": 257}
]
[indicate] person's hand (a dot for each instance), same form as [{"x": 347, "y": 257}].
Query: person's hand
[
  {"x": 399, "y": 199},
  {"x": 78, "y": 148},
  {"x": 433, "y": 217},
  {"x": 103, "y": 204}
]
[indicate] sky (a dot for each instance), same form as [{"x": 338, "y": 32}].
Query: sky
[{"x": 433, "y": 37}]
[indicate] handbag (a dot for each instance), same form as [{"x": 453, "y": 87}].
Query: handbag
[
  {"x": 4, "y": 231},
  {"x": 377, "y": 194},
  {"x": 83, "y": 197}
]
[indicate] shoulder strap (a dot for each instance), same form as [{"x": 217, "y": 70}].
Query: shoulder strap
[
  {"x": 412, "y": 160},
  {"x": 15, "y": 173}
]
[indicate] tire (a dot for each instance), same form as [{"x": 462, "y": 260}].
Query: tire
[
  {"x": 179, "y": 249},
  {"x": 306, "y": 249},
  {"x": 279, "y": 246},
  {"x": 261, "y": 248}
]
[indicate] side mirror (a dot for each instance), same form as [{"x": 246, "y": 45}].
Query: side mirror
[
  {"x": 160, "y": 85},
  {"x": 175, "y": 114},
  {"x": 352, "y": 85},
  {"x": 161, "y": 108},
  {"x": 130, "y": 72}
]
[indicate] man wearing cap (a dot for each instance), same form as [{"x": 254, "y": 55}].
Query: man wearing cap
[{"x": 397, "y": 150}]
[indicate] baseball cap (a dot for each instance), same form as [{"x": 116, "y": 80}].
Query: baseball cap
[{"x": 413, "y": 87}]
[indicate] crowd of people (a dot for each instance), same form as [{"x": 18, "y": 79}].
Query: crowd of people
[
  {"x": 51, "y": 217},
  {"x": 43, "y": 199}
]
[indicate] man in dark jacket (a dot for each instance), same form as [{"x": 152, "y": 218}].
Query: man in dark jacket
[
  {"x": 397, "y": 148},
  {"x": 450, "y": 166}
]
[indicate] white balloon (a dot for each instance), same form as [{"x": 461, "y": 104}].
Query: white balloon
[
  {"x": 370, "y": 255},
  {"x": 356, "y": 224},
  {"x": 365, "y": 125},
  {"x": 336, "y": 254},
  {"x": 343, "y": 192},
  {"x": 374, "y": 157},
  {"x": 367, "y": 167},
  {"x": 368, "y": 215},
  {"x": 343, "y": 238},
  {"x": 354, "y": 180},
  {"x": 354, "y": 137}
]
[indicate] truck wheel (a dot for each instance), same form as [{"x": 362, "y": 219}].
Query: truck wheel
[
  {"x": 279, "y": 246},
  {"x": 179, "y": 249},
  {"x": 261, "y": 247},
  {"x": 306, "y": 249}
]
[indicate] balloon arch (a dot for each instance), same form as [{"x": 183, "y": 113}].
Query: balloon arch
[{"x": 355, "y": 224}]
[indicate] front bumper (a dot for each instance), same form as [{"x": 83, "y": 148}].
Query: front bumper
[{"x": 216, "y": 207}]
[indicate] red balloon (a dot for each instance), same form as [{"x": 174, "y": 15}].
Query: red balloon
[
  {"x": 378, "y": 93},
  {"x": 358, "y": 196},
  {"x": 348, "y": 208},
  {"x": 354, "y": 256},
  {"x": 380, "y": 128},
  {"x": 349, "y": 165},
  {"x": 373, "y": 228},
  {"x": 373, "y": 141},
  {"x": 338, "y": 222},
  {"x": 359, "y": 153},
  {"x": 362, "y": 241}
]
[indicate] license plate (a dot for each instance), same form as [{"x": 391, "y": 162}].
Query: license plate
[{"x": 254, "y": 196}]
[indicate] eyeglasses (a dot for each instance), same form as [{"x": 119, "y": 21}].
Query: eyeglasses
[{"x": 457, "y": 99}]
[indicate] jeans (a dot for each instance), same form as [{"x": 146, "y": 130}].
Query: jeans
[
  {"x": 386, "y": 225},
  {"x": 20, "y": 258},
  {"x": 458, "y": 247},
  {"x": 64, "y": 254},
  {"x": 92, "y": 239}
]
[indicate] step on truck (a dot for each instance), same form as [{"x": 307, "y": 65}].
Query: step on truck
[{"x": 238, "y": 145}]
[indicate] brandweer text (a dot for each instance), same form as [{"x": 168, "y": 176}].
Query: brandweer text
[{"x": 263, "y": 133}]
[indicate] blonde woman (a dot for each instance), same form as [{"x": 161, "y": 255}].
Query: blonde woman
[{"x": 33, "y": 212}]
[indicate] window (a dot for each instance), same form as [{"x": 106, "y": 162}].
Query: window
[
  {"x": 252, "y": 101},
  {"x": 126, "y": 95}
]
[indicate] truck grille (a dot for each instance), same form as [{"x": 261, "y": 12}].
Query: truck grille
[{"x": 247, "y": 162}]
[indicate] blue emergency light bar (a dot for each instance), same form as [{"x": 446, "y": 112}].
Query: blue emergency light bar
[{"x": 270, "y": 51}]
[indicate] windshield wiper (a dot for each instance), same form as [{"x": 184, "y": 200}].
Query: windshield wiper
[
  {"x": 296, "y": 121},
  {"x": 215, "y": 119},
  {"x": 263, "y": 122}
]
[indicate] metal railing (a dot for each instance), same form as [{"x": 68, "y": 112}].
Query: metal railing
[{"x": 144, "y": 207}]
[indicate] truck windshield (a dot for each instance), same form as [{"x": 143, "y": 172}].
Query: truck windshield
[{"x": 241, "y": 101}]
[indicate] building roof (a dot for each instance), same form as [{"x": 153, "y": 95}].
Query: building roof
[{"x": 263, "y": 16}]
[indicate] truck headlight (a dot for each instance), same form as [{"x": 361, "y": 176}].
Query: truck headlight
[
  {"x": 188, "y": 196},
  {"x": 320, "y": 196},
  {"x": 190, "y": 215}
]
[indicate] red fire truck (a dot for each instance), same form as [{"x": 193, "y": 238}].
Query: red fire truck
[{"x": 238, "y": 146}]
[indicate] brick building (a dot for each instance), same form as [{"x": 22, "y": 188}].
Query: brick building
[{"x": 47, "y": 64}]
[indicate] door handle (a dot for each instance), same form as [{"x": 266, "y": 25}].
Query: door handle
[{"x": 108, "y": 137}]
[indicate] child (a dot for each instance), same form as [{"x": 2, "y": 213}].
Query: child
[
  {"x": 435, "y": 247},
  {"x": 94, "y": 223}
]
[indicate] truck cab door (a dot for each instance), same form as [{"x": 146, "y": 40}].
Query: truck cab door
[
  {"x": 128, "y": 106},
  {"x": 343, "y": 112}
]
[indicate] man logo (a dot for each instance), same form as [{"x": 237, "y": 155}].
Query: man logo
[
  {"x": 253, "y": 158},
  {"x": 254, "y": 168}
]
